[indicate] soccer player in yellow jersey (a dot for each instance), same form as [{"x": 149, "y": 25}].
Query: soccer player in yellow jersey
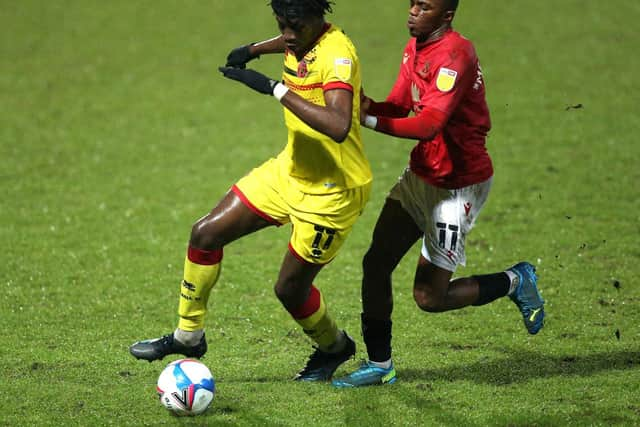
[{"x": 319, "y": 184}]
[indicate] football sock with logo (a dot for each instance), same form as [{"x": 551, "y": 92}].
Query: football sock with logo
[
  {"x": 201, "y": 271},
  {"x": 492, "y": 287},
  {"x": 377, "y": 337},
  {"x": 317, "y": 324}
]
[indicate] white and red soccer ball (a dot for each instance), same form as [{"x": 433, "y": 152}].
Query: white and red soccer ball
[{"x": 186, "y": 387}]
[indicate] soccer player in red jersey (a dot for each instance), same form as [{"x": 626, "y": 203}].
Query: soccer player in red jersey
[{"x": 439, "y": 196}]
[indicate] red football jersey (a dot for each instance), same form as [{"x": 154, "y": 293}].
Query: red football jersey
[{"x": 445, "y": 75}]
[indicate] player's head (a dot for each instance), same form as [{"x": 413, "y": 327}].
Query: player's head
[
  {"x": 451, "y": 4},
  {"x": 300, "y": 21},
  {"x": 430, "y": 17}
]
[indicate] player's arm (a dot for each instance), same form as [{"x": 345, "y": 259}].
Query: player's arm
[
  {"x": 333, "y": 119},
  {"x": 273, "y": 45},
  {"x": 386, "y": 108},
  {"x": 437, "y": 106},
  {"x": 424, "y": 126},
  {"x": 239, "y": 56}
]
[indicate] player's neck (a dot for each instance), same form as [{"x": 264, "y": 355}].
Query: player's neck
[
  {"x": 437, "y": 34},
  {"x": 322, "y": 28}
]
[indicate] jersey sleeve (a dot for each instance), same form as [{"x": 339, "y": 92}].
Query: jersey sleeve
[
  {"x": 450, "y": 80},
  {"x": 340, "y": 69}
]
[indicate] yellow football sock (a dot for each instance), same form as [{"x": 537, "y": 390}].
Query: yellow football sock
[
  {"x": 201, "y": 272},
  {"x": 316, "y": 322}
]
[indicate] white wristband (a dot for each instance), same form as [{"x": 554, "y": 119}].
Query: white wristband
[
  {"x": 279, "y": 90},
  {"x": 370, "y": 121}
]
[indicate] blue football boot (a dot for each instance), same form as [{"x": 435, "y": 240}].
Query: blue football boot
[
  {"x": 367, "y": 374},
  {"x": 527, "y": 297}
]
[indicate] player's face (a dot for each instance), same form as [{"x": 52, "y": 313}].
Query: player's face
[
  {"x": 426, "y": 17},
  {"x": 298, "y": 34}
]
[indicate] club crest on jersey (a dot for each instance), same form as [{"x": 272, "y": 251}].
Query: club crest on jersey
[
  {"x": 343, "y": 68},
  {"x": 446, "y": 79},
  {"x": 425, "y": 70},
  {"x": 302, "y": 69}
]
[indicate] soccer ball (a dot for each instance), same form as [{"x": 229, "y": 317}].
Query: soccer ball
[{"x": 186, "y": 387}]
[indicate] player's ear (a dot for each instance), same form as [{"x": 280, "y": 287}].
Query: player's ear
[{"x": 448, "y": 15}]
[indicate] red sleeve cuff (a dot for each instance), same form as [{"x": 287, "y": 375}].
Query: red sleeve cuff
[{"x": 337, "y": 85}]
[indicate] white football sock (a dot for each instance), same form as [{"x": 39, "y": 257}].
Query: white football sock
[
  {"x": 515, "y": 281},
  {"x": 384, "y": 365},
  {"x": 188, "y": 338}
]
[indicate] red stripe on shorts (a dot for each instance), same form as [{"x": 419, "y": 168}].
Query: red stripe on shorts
[{"x": 250, "y": 205}]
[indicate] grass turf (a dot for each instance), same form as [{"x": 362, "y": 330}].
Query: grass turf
[{"x": 117, "y": 132}]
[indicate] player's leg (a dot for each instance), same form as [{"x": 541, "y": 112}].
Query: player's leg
[
  {"x": 434, "y": 294},
  {"x": 229, "y": 220},
  {"x": 394, "y": 234},
  {"x": 433, "y": 291},
  {"x": 251, "y": 205},
  {"x": 308, "y": 308},
  {"x": 315, "y": 241},
  {"x": 443, "y": 249}
]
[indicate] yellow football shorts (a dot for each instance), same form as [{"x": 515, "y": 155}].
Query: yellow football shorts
[{"x": 320, "y": 223}]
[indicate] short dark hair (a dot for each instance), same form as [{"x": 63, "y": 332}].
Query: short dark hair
[
  {"x": 452, "y": 4},
  {"x": 292, "y": 9}
]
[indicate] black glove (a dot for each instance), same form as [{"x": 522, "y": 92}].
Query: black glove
[
  {"x": 255, "y": 80},
  {"x": 239, "y": 57}
]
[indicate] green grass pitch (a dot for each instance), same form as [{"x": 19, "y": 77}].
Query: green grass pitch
[{"x": 117, "y": 132}]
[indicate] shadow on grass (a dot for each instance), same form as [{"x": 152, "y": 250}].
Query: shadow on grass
[
  {"x": 522, "y": 366},
  {"x": 515, "y": 367}
]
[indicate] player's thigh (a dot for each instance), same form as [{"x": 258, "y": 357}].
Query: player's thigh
[
  {"x": 229, "y": 220},
  {"x": 394, "y": 234},
  {"x": 322, "y": 223},
  {"x": 449, "y": 216},
  {"x": 263, "y": 191},
  {"x": 253, "y": 203},
  {"x": 430, "y": 282}
]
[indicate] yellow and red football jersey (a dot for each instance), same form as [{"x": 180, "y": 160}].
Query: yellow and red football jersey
[{"x": 315, "y": 163}]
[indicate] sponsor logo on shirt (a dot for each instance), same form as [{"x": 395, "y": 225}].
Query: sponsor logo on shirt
[
  {"x": 446, "y": 79},
  {"x": 478, "y": 83},
  {"x": 343, "y": 68},
  {"x": 415, "y": 93}
]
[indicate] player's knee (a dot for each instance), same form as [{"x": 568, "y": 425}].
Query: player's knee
[
  {"x": 202, "y": 236},
  {"x": 428, "y": 301},
  {"x": 287, "y": 294},
  {"x": 281, "y": 293}
]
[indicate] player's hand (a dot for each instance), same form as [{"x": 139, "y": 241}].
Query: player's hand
[
  {"x": 365, "y": 104},
  {"x": 255, "y": 80},
  {"x": 239, "y": 57}
]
